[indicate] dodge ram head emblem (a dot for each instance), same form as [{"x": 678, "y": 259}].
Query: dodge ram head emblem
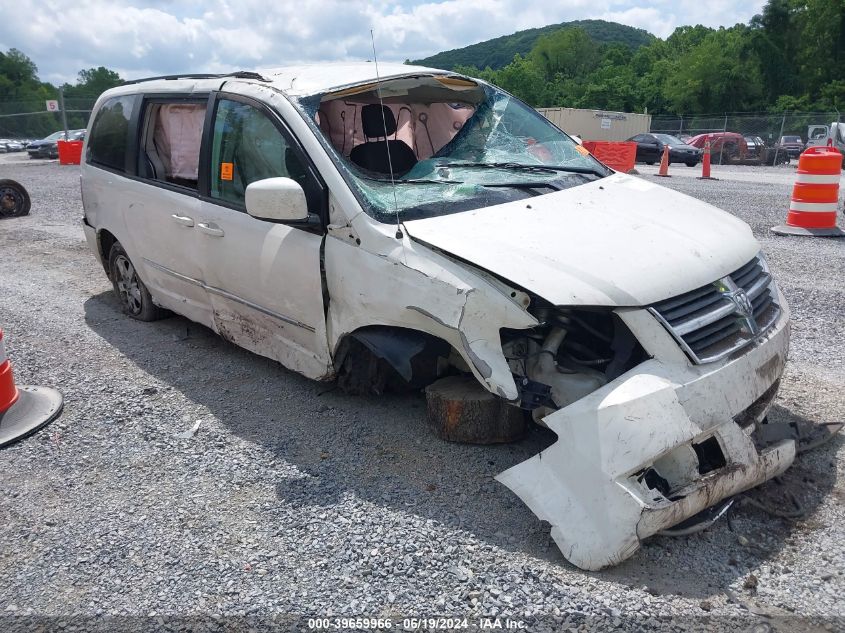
[{"x": 737, "y": 295}]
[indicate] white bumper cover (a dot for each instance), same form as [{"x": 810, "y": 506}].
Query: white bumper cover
[{"x": 590, "y": 484}]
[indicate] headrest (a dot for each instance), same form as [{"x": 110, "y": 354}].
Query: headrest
[{"x": 372, "y": 122}]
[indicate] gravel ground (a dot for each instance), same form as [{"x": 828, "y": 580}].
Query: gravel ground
[{"x": 294, "y": 499}]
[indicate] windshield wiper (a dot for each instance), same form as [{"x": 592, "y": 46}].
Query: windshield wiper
[
  {"x": 575, "y": 169},
  {"x": 418, "y": 181},
  {"x": 524, "y": 185}
]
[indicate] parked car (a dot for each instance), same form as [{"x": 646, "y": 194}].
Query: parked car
[
  {"x": 833, "y": 135},
  {"x": 650, "y": 149},
  {"x": 47, "y": 147},
  {"x": 290, "y": 212},
  {"x": 792, "y": 145},
  {"x": 758, "y": 153},
  {"x": 725, "y": 147}
]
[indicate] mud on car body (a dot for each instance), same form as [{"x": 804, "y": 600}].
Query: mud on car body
[{"x": 396, "y": 230}]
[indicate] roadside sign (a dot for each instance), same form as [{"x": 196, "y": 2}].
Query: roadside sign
[
  {"x": 52, "y": 105},
  {"x": 605, "y": 124}
]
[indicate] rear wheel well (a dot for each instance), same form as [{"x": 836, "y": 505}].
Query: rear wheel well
[{"x": 105, "y": 241}]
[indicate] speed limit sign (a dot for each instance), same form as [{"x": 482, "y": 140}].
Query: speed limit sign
[{"x": 52, "y": 105}]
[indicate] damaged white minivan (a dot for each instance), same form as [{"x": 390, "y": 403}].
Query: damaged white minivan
[{"x": 415, "y": 224}]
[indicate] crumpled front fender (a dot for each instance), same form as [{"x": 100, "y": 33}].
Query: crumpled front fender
[{"x": 590, "y": 484}]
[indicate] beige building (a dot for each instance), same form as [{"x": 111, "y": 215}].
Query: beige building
[{"x": 598, "y": 125}]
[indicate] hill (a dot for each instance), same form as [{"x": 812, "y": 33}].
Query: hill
[{"x": 499, "y": 51}]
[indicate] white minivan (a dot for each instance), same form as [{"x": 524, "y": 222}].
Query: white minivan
[{"x": 401, "y": 226}]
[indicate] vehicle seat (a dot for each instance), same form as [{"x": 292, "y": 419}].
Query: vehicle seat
[{"x": 378, "y": 122}]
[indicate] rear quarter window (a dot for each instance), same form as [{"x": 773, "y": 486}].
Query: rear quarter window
[{"x": 110, "y": 133}]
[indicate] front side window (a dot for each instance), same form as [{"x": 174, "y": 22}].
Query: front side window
[
  {"x": 110, "y": 133},
  {"x": 246, "y": 147}
]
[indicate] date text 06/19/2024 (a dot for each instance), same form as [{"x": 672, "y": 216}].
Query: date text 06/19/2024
[{"x": 416, "y": 624}]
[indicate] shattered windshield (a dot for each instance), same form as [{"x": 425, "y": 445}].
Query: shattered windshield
[{"x": 420, "y": 147}]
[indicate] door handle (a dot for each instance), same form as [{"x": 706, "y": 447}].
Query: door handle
[
  {"x": 210, "y": 229},
  {"x": 184, "y": 220}
]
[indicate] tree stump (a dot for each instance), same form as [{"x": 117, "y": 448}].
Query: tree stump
[{"x": 461, "y": 410}]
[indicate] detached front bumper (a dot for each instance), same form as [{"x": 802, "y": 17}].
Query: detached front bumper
[{"x": 651, "y": 449}]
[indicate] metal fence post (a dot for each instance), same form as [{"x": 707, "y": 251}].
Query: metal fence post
[
  {"x": 724, "y": 129},
  {"x": 62, "y": 107},
  {"x": 780, "y": 136},
  {"x": 681, "y": 126}
]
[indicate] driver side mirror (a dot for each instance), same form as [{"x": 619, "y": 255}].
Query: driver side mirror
[{"x": 279, "y": 199}]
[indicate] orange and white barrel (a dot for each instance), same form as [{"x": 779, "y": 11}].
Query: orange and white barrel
[
  {"x": 8, "y": 391},
  {"x": 815, "y": 196},
  {"x": 24, "y": 409}
]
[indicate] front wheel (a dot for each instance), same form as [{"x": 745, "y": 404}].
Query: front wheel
[
  {"x": 135, "y": 299},
  {"x": 691, "y": 163}
]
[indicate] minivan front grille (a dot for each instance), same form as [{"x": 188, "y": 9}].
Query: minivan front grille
[{"x": 716, "y": 320}]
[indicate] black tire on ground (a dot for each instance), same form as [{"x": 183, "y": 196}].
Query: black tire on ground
[
  {"x": 691, "y": 163},
  {"x": 14, "y": 199},
  {"x": 649, "y": 162},
  {"x": 134, "y": 298}
]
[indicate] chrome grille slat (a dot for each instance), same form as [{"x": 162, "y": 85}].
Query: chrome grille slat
[
  {"x": 720, "y": 318},
  {"x": 706, "y": 331},
  {"x": 683, "y": 299},
  {"x": 747, "y": 276},
  {"x": 706, "y": 319},
  {"x": 690, "y": 308},
  {"x": 758, "y": 286}
]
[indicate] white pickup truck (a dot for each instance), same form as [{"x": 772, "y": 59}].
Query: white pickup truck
[{"x": 833, "y": 134}]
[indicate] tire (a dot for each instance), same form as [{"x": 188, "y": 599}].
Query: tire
[
  {"x": 135, "y": 300},
  {"x": 691, "y": 164},
  {"x": 649, "y": 162},
  {"x": 14, "y": 199}
]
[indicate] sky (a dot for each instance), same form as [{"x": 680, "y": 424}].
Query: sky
[{"x": 156, "y": 37}]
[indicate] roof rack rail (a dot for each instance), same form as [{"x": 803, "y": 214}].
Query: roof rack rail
[{"x": 239, "y": 74}]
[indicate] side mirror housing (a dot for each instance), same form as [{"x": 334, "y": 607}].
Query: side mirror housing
[{"x": 279, "y": 199}]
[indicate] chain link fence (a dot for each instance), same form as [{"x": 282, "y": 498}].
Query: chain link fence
[
  {"x": 762, "y": 132},
  {"x": 30, "y": 120}
]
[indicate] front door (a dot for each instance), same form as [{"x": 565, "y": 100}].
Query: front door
[{"x": 263, "y": 278}]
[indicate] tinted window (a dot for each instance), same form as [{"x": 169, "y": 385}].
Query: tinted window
[
  {"x": 110, "y": 132},
  {"x": 668, "y": 139},
  {"x": 247, "y": 146}
]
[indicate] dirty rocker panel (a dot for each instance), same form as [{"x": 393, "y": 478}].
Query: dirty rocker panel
[{"x": 229, "y": 295}]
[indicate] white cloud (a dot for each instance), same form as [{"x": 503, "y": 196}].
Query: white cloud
[{"x": 139, "y": 38}]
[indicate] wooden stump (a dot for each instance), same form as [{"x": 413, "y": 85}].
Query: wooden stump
[{"x": 461, "y": 410}]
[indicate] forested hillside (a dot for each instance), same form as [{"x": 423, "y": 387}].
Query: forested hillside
[{"x": 499, "y": 52}]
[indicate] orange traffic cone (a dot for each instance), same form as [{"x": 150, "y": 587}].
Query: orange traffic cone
[
  {"x": 705, "y": 163},
  {"x": 664, "y": 163},
  {"x": 23, "y": 410},
  {"x": 815, "y": 196}
]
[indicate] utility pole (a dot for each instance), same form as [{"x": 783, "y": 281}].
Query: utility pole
[{"x": 62, "y": 108}]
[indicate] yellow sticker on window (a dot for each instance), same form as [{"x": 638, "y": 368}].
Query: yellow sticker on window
[
  {"x": 227, "y": 171},
  {"x": 578, "y": 148}
]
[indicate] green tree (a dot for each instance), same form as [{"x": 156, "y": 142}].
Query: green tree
[
  {"x": 719, "y": 74},
  {"x": 569, "y": 53}
]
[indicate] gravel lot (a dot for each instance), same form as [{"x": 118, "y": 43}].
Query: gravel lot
[{"x": 293, "y": 499}]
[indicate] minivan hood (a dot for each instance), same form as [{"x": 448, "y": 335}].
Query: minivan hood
[{"x": 617, "y": 241}]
